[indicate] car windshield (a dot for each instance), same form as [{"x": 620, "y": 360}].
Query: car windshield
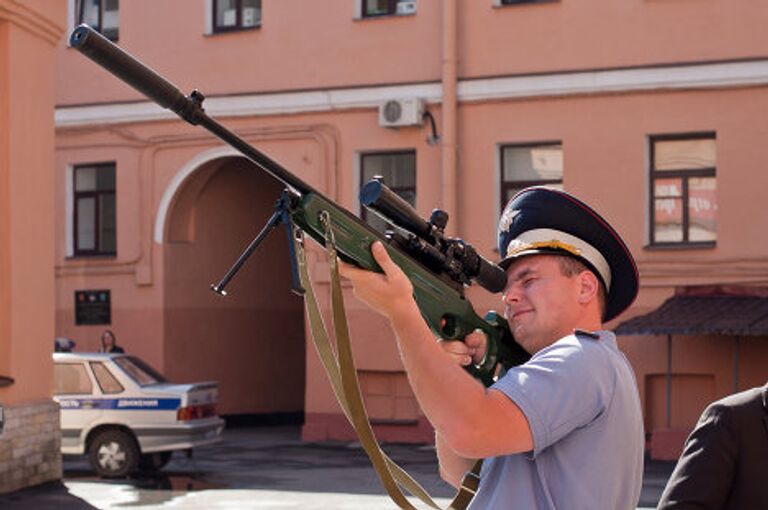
[{"x": 139, "y": 371}]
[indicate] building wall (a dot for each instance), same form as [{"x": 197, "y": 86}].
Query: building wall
[
  {"x": 525, "y": 73},
  {"x": 29, "y": 439}
]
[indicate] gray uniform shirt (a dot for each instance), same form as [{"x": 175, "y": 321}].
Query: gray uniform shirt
[{"x": 580, "y": 398}]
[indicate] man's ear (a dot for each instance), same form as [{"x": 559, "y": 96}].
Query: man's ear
[{"x": 588, "y": 287}]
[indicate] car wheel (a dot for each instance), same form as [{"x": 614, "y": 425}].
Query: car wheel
[
  {"x": 113, "y": 454},
  {"x": 152, "y": 462}
]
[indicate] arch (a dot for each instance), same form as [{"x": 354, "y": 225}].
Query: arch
[
  {"x": 179, "y": 179},
  {"x": 242, "y": 342}
]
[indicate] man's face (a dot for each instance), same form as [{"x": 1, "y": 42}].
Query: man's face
[{"x": 540, "y": 303}]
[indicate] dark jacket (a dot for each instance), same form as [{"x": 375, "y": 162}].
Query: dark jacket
[{"x": 724, "y": 464}]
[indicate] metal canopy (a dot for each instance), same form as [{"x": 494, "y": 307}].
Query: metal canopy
[{"x": 731, "y": 315}]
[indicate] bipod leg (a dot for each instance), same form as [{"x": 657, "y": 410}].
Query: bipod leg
[
  {"x": 281, "y": 212},
  {"x": 295, "y": 243}
]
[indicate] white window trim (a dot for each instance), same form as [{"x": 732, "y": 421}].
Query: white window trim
[
  {"x": 498, "y": 207},
  {"x": 69, "y": 210},
  {"x": 208, "y": 28},
  {"x": 648, "y": 191},
  {"x": 357, "y": 167},
  {"x": 71, "y": 21}
]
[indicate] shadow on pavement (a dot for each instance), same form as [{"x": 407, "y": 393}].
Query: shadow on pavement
[
  {"x": 267, "y": 460},
  {"x": 48, "y": 496}
]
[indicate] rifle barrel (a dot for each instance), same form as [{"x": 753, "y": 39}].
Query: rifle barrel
[{"x": 129, "y": 69}]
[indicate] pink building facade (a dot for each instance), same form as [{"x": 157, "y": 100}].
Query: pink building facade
[
  {"x": 29, "y": 419},
  {"x": 650, "y": 111}
]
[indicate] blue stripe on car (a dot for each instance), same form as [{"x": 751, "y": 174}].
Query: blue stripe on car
[{"x": 125, "y": 404}]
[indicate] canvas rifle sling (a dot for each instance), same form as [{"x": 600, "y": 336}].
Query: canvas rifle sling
[{"x": 342, "y": 374}]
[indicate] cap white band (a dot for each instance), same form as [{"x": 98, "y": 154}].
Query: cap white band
[{"x": 550, "y": 238}]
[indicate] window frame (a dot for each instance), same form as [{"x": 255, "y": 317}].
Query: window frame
[
  {"x": 139, "y": 371},
  {"x": 505, "y": 185},
  {"x": 363, "y": 210},
  {"x": 85, "y": 369},
  {"x": 80, "y": 11},
  {"x": 391, "y": 9},
  {"x": 101, "y": 384},
  {"x": 238, "y": 26},
  {"x": 361, "y": 10},
  {"x": 96, "y": 194},
  {"x": 684, "y": 175}
]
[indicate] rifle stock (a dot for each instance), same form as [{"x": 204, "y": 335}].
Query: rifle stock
[{"x": 442, "y": 305}]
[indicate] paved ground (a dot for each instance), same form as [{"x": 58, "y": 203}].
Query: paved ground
[{"x": 260, "y": 468}]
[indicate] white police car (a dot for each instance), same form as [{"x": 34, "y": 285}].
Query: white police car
[{"x": 126, "y": 416}]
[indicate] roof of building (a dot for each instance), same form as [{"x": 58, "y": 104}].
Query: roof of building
[{"x": 703, "y": 315}]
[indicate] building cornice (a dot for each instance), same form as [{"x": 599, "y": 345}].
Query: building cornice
[
  {"x": 701, "y": 76},
  {"x": 31, "y": 21}
]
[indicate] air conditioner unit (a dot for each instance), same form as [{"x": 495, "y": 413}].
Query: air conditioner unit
[
  {"x": 401, "y": 112},
  {"x": 406, "y": 7}
]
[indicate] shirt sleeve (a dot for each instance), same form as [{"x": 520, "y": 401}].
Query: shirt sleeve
[
  {"x": 561, "y": 388},
  {"x": 704, "y": 474}
]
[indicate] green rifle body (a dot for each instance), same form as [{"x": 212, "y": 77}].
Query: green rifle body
[{"x": 447, "y": 312}]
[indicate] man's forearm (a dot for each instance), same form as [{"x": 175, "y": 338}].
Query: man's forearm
[{"x": 453, "y": 466}]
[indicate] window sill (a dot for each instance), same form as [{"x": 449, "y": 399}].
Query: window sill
[
  {"x": 681, "y": 246},
  {"x": 95, "y": 256},
  {"x": 384, "y": 16},
  {"x": 497, "y": 3},
  {"x": 236, "y": 30}
]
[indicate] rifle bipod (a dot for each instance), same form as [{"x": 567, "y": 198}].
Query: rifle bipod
[{"x": 282, "y": 215}]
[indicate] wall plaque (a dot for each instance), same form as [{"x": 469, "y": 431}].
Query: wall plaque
[{"x": 92, "y": 307}]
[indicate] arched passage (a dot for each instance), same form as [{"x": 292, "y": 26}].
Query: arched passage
[{"x": 252, "y": 341}]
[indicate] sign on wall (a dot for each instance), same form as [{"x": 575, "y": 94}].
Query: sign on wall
[{"x": 92, "y": 307}]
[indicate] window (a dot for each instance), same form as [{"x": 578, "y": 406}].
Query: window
[
  {"x": 139, "y": 371},
  {"x": 376, "y": 8},
  {"x": 398, "y": 172},
  {"x": 229, "y": 15},
  {"x": 538, "y": 164},
  {"x": 106, "y": 380},
  {"x": 71, "y": 378},
  {"x": 683, "y": 208},
  {"x": 101, "y": 15},
  {"x": 95, "y": 222}
]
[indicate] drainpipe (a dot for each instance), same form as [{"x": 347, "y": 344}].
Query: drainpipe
[
  {"x": 449, "y": 146},
  {"x": 736, "y": 358},
  {"x": 669, "y": 381}
]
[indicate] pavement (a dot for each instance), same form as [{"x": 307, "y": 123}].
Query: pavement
[{"x": 262, "y": 468}]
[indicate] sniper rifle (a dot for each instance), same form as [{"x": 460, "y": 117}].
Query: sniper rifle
[{"x": 440, "y": 267}]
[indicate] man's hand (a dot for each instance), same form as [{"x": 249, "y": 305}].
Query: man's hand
[
  {"x": 470, "y": 350},
  {"x": 390, "y": 293}
]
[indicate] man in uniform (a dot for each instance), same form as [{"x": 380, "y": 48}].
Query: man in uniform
[{"x": 563, "y": 430}]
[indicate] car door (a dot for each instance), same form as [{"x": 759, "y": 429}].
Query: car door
[{"x": 74, "y": 391}]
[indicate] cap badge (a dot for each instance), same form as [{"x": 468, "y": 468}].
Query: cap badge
[{"x": 507, "y": 218}]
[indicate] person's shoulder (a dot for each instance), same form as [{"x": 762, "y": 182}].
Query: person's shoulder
[
  {"x": 751, "y": 398},
  {"x": 583, "y": 341},
  {"x": 576, "y": 348}
]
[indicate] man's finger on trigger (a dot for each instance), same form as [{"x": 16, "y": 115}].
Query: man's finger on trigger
[{"x": 475, "y": 339}]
